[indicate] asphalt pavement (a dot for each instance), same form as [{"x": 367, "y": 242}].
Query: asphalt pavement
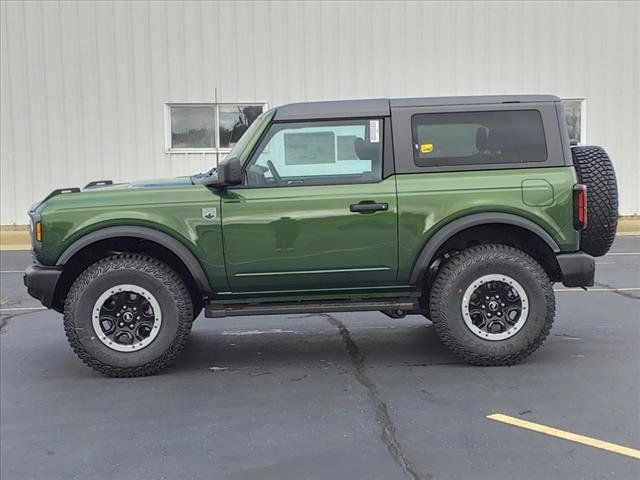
[{"x": 340, "y": 396}]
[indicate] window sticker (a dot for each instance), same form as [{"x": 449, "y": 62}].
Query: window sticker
[
  {"x": 374, "y": 131},
  {"x": 426, "y": 147}
]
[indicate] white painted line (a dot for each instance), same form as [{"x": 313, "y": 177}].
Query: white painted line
[
  {"x": 12, "y": 271},
  {"x": 621, "y": 253},
  {"x": 18, "y": 309},
  {"x": 257, "y": 332},
  {"x": 626, "y": 289}
]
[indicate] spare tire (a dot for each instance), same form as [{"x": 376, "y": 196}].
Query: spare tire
[{"x": 595, "y": 170}]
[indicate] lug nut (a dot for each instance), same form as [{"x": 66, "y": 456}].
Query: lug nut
[
  {"x": 489, "y": 315},
  {"x": 121, "y": 324},
  {"x": 131, "y": 326}
]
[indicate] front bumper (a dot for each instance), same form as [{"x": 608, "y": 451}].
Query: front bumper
[
  {"x": 41, "y": 282},
  {"x": 578, "y": 269}
]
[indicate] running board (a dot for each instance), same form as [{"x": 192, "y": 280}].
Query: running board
[{"x": 220, "y": 310}]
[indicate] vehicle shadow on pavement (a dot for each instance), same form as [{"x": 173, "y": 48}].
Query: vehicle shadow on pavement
[{"x": 381, "y": 347}]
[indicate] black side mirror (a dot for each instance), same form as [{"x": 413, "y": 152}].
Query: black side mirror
[{"x": 229, "y": 172}]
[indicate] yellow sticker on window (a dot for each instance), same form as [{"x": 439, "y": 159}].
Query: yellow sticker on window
[{"x": 426, "y": 147}]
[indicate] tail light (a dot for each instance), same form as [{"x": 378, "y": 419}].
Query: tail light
[{"x": 580, "y": 207}]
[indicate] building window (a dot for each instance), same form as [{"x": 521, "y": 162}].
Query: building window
[
  {"x": 574, "y": 112},
  {"x": 207, "y": 127}
]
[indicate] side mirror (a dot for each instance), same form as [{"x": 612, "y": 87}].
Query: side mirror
[{"x": 229, "y": 172}]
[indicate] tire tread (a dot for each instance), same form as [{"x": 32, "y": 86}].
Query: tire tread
[{"x": 152, "y": 266}]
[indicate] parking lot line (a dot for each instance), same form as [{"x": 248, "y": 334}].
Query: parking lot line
[
  {"x": 12, "y": 271},
  {"x": 573, "y": 437},
  {"x": 17, "y": 309},
  {"x": 621, "y": 253},
  {"x": 624, "y": 289}
]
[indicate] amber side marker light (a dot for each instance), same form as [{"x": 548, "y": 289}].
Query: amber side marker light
[{"x": 39, "y": 231}]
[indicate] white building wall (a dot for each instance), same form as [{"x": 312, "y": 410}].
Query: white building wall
[{"x": 84, "y": 84}]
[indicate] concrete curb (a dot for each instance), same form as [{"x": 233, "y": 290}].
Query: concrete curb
[{"x": 16, "y": 237}]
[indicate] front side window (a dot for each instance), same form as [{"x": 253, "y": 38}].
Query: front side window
[
  {"x": 473, "y": 138},
  {"x": 208, "y": 127},
  {"x": 318, "y": 153}
]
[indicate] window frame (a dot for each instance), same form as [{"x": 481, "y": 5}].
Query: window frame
[
  {"x": 583, "y": 116},
  {"x": 403, "y": 137},
  {"x": 216, "y": 125},
  {"x": 387, "y": 167}
]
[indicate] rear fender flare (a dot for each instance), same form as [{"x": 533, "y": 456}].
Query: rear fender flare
[{"x": 428, "y": 252}]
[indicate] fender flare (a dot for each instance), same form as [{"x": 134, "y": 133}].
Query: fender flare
[
  {"x": 425, "y": 258},
  {"x": 178, "y": 248}
]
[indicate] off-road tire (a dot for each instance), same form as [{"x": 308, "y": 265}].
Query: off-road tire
[
  {"x": 595, "y": 170},
  {"x": 147, "y": 272},
  {"x": 462, "y": 270}
]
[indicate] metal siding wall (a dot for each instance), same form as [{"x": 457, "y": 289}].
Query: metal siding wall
[{"x": 84, "y": 84}]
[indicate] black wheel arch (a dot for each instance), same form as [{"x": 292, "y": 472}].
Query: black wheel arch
[
  {"x": 433, "y": 246},
  {"x": 181, "y": 255}
]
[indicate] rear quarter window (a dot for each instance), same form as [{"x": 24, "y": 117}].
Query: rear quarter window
[{"x": 478, "y": 138}]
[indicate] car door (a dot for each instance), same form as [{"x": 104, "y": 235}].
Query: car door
[{"x": 314, "y": 212}]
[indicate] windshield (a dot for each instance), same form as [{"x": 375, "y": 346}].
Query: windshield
[{"x": 249, "y": 137}]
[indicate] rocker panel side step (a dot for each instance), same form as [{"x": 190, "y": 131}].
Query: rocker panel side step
[{"x": 218, "y": 311}]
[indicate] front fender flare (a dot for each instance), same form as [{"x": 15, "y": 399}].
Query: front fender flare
[
  {"x": 425, "y": 258},
  {"x": 164, "y": 239}
]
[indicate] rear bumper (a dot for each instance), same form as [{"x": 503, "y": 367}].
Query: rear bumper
[
  {"x": 41, "y": 282},
  {"x": 578, "y": 269}
]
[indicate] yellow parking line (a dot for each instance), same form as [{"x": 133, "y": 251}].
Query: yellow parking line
[{"x": 554, "y": 432}]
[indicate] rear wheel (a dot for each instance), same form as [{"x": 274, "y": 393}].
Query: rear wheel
[
  {"x": 492, "y": 305},
  {"x": 128, "y": 315}
]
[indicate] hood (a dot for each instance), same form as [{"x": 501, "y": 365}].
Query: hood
[{"x": 153, "y": 183}]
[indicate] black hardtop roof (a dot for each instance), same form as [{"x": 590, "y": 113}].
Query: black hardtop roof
[{"x": 380, "y": 107}]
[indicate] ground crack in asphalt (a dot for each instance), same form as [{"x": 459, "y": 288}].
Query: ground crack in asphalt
[
  {"x": 4, "y": 321},
  {"x": 388, "y": 435},
  {"x": 619, "y": 292}
]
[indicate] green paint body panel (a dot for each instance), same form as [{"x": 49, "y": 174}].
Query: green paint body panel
[
  {"x": 306, "y": 237},
  {"x": 428, "y": 201},
  {"x": 175, "y": 210}
]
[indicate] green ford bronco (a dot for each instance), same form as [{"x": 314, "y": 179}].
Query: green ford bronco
[{"x": 464, "y": 209}]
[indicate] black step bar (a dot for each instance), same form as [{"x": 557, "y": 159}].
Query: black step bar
[{"x": 214, "y": 310}]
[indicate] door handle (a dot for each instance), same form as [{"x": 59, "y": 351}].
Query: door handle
[{"x": 367, "y": 206}]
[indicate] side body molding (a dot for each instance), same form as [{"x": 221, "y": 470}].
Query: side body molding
[
  {"x": 167, "y": 241},
  {"x": 441, "y": 236}
]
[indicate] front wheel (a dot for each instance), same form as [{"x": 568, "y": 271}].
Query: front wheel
[
  {"x": 128, "y": 315},
  {"x": 492, "y": 305}
]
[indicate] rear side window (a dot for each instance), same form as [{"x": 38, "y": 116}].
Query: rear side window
[{"x": 475, "y": 138}]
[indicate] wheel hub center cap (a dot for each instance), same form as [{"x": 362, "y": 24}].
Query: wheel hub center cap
[
  {"x": 128, "y": 316},
  {"x": 493, "y": 305}
]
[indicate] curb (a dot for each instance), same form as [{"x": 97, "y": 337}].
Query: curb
[{"x": 16, "y": 237}]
